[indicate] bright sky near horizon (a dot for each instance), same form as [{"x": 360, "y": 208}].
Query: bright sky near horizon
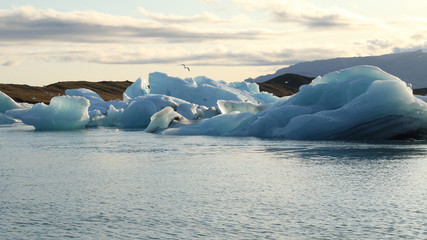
[{"x": 48, "y": 41}]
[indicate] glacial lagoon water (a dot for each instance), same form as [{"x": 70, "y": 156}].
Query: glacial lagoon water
[{"x": 104, "y": 183}]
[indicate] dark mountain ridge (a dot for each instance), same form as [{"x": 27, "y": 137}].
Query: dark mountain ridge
[{"x": 411, "y": 67}]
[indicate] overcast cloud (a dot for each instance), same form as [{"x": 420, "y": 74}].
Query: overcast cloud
[{"x": 290, "y": 31}]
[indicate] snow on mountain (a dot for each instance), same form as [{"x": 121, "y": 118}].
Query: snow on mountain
[{"x": 411, "y": 67}]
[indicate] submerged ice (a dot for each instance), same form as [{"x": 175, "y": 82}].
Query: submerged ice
[{"x": 362, "y": 102}]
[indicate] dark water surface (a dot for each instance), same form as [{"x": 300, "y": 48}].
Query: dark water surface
[{"x": 109, "y": 184}]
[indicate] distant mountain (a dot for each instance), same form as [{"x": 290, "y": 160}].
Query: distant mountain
[
  {"x": 411, "y": 67},
  {"x": 284, "y": 85}
]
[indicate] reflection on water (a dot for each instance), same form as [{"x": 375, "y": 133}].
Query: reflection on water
[
  {"x": 107, "y": 184},
  {"x": 351, "y": 150}
]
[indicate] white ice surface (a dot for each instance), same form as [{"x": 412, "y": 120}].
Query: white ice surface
[
  {"x": 136, "y": 89},
  {"x": 163, "y": 119},
  {"x": 204, "y": 91},
  {"x": 96, "y": 102}
]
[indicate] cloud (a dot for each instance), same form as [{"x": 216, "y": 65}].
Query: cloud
[
  {"x": 203, "y": 18},
  {"x": 29, "y": 24},
  {"x": 27, "y": 33},
  {"x": 218, "y": 55},
  {"x": 378, "y": 44},
  {"x": 304, "y": 13},
  {"x": 10, "y": 63}
]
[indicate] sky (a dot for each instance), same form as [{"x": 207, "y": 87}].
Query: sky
[{"x": 43, "y": 42}]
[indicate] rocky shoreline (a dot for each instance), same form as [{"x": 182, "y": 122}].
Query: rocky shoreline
[{"x": 108, "y": 90}]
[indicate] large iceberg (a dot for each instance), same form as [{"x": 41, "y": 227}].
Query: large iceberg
[
  {"x": 362, "y": 102},
  {"x": 63, "y": 113}
]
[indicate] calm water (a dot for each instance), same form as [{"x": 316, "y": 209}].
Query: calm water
[{"x": 109, "y": 184}]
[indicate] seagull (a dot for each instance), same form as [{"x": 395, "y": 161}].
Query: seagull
[{"x": 185, "y": 67}]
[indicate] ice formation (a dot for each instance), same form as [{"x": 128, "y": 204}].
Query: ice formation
[
  {"x": 63, "y": 113},
  {"x": 357, "y": 103},
  {"x": 96, "y": 102},
  {"x": 7, "y": 103},
  {"x": 136, "y": 89},
  {"x": 6, "y": 120},
  {"x": 163, "y": 119},
  {"x": 362, "y": 102},
  {"x": 232, "y": 106},
  {"x": 206, "y": 92}
]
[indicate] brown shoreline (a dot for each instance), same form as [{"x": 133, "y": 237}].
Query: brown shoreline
[{"x": 108, "y": 90}]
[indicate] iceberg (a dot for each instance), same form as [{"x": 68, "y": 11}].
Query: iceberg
[
  {"x": 206, "y": 92},
  {"x": 96, "y": 102},
  {"x": 220, "y": 125},
  {"x": 191, "y": 98},
  {"x": 356, "y": 103},
  {"x": 138, "y": 113},
  {"x": 163, "y": 119},
  {"x": 361, "y": 102},
  {"x": 140, "y": 110},
  {"x": 231, "y": 106},
  {"x": 6, "y": 120},
  {"x": 136, "y": 89},
  {"x": 63, "y": 113},
  {"x": 7, "y": 103},
  {"x": 113, "y": 118}
]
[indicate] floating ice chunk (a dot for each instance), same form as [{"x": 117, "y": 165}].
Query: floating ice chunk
[
  {"x": 253, "y": 90},
  {"x": 63, "y": 113},
  {"x": 82, "y": 92},
  {"x": 206, "y": 112},
  {"x": 7, "y": 103},
  {"x": 163, "y": 119},
  {"x": 366, "y": 72},
  {"x": 136, "y": 89},
  {"x": 230, "y": 106},
  {"x": 138, "y": 114},
  {"x": 382, "y": 100},
  {"x": 96, "y": 102},
  {"x": 140, "y": 110},
  {"x": 202, "y": 91},
  {"x": 357, "y": 103},
  {"x": 246, "y": 86},
  {"x": 219, "y": 125},
  {"x": 94, "y": 115},
  {"x": 202, "y": 80},
  {"x": 111, "y": 119},
  {"x": 188, "y": 110}
]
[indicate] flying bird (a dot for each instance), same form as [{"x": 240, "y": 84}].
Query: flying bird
[{"x": 185, "y": 67}]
